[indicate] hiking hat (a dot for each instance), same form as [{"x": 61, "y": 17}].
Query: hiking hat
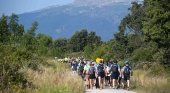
[
  {"x": 115, "y": 61},
  {"x": 88, "y": 62},
  {"x": 126, "y": 62}
]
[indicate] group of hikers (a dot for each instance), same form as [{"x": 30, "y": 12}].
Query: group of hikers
[{"x": 102, "y": 73}]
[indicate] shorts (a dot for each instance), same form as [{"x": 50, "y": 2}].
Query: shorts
[
  {"x": 114, "y": 76},
  {"x": 92, "y": 76},
  {"x": 74, "y": 69},
  {"x": 127, "y": 78},
  {"x": 80, "y": 73},
  {"x": 101, "y": 74},
  {"x": 107, "y": 77}
]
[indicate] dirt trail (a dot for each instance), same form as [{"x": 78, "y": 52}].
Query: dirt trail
[{"x": 108, "y": 90}]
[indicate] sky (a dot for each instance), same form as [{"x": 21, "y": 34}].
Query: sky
[
  {"x": 21, "y": 6},
  {"x": 8, "y": 7}
]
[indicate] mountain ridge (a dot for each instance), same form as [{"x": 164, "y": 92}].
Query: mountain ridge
[{"x": 64, "y": 21}]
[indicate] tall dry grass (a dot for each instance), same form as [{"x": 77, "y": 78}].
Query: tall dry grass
[
  {"x": 55, "y": 78},
  {"x": 147, "y": 83}
]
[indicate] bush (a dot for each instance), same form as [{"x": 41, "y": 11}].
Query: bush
[
  {"x": 142, "y": 54},
  {"x": 12, "y": 60},
  {"x": 10, "y": 64},
  {"x": 157, "y": 69}
]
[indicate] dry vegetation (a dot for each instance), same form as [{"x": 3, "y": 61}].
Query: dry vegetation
[
  {"x": 55, "y": 78},
  {"x": 147, "y": 83}
]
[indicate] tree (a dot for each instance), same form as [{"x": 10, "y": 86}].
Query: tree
[
  {"x": 45, "y": 43},
  {"x": 157, "y": 24},
  {"x": 62, "y": 44},
  {"x": 4, "y": 31},
  {"x": 93, "y": 39},
  {"x": 135, "y": 18},
  {"x": 15, "y": 28},
  {"x": 88, "y": 50},
  {"x": 33, "y": 28},
  {"x": 120, "y": 41},
  {"x": 79, "y": 40},
  {"x": 28, "y": 40},
  {"x": 157, "y": 21}
]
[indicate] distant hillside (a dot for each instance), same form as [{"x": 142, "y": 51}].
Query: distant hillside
[{"x": 63, "y": 21}]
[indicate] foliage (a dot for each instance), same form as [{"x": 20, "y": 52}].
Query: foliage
[
  {"x": 144, "y": 33},
  {"x": 25, "y": 49},
  {"x": 156, "y": 25},
  {"x": 88, "y": 50},
  {"x": 18, "y": 50},
  {"x": 81, "y": 39}
]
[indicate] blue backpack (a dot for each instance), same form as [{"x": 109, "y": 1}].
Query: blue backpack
[
  {"x": 114, "y": 68},
  {"x": 100, "y": 68},
  {"x": 92, "y": 70},
  {"x": 74, "y": 66},
  {"x": 127, "y": 71}
]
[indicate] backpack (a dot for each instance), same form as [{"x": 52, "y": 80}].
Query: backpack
[
  {"x": 74, "y": 66},
  {"x": 127, "y": 71},
  {"x": 100, "y": 68},
  {"x": 92, "y": 70},
  {"x": 114, "y": 68},
  {"x": 81, "y": 68}
]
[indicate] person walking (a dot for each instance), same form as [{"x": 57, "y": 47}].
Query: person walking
[
  {"x": 86, "y": 73},
  {"x": 80, "y": 69},
  {"x": 74, "y": 66},
  {"x": 107, "y": 75},
  {"x": 115, "y": 71},
  {"x": 92, "y": 77},
  {"x": 126, "y": 73},
  {"x": 101, "y": 74},
  {"x": 96, "y": 74}
]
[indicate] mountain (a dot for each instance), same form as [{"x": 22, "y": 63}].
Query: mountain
[{"x": 101, "y": 16}]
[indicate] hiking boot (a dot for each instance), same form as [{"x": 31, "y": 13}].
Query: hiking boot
[
  {"x": 100, "y": 88},
  {"x": 117, "y": 87}
]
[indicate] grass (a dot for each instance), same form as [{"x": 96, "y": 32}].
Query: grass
[
  {"x": 144, "y": 82},
  {"x": 55, "y": 78}
]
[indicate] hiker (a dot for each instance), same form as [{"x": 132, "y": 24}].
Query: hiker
[
  {"x": 101, "y": 74},
  {"x": 115, "y": 71},
  {"x": 120, "y": 78},
  {"x": 96, "y": 75},
  {"x": 85, "y": 72},
  {"x": 80, "y": 69},
  {"x": 74, "y": 67},
  {"x": 107, "y": 75},
  {"x": 92, "y": 72},
  {"x": 126, "y": 73}
]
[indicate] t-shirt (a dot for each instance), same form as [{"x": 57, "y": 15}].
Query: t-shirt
[{"x": 86, "y": 68}]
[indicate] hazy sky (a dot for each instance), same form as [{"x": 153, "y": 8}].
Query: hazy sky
[{"x": 21, "y": 6}]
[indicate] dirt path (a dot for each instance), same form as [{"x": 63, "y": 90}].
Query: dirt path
[{"x": 108, "y": 90}]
